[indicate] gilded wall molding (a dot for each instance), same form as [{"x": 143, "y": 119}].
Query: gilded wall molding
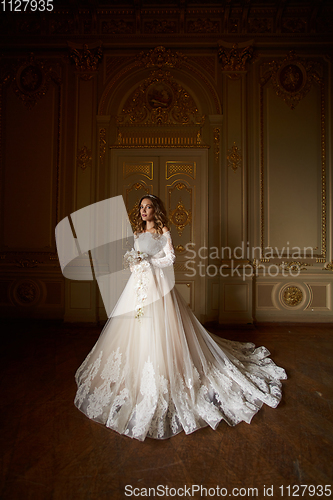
[
  {"x": 102, "y": 145},
  {"x": 84, "y": 158},
  {"x": 217, "y": 145},
  {"x": 292, "y": 93},
  {"x": 234, "y": 157}
]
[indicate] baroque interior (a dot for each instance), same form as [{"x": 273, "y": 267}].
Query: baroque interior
[{"x": 221, "y": 108}]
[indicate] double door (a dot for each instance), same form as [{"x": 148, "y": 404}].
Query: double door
[{"x": 179, "y": 178}]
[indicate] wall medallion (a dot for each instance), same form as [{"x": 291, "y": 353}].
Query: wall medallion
[
  {"x": 26, "y": 292},
  {"x": 292, "y": 78},
  {"x": 159, "y": 95},
  {"x": 32, "y": 80},
  {"x": 292, "y": 296},
  {"x": 84, "y": 158}
]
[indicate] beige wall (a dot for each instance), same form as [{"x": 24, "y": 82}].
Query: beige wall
[{"x": 267, "y": 138}]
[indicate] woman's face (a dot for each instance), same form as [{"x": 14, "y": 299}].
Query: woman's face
[{"x": 147, "y": 210}]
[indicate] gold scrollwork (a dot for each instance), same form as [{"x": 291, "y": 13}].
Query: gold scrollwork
[
  {"x": 217, "y": 144},
  {"x": 180, "y": 248},
  {"x": 102, "y": 144},
  {"x": 294, "y": 266},
  {"x": 234, "y": 157},
  {"x": 180, "y": 217},
  {"x": 84, "y": 158},
  {"x": 160, "y": 100},
  {"x": 328, "y": 266},
  {"x": 292, "y": 296}
]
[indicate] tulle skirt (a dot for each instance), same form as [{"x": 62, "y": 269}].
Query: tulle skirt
[{"x": 160, "y": 373}]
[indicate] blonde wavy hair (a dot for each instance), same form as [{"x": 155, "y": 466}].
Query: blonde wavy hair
[{"x": 160, "y": 215}]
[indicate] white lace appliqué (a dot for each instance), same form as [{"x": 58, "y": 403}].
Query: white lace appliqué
[{"x": 141, "y": 280}]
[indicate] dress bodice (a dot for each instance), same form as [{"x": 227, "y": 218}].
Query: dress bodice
[
  {"x": 151, "y": 244},
  {"x": 157, "y": 246}
]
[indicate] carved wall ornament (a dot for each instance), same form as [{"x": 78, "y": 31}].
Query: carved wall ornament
[
  {"x": 160, "y": 100},
  {"x": 102, "y": 145},
  {"x": 292, "y": 296},
  {"x": 84, "y": 158},
  {"x": 86, "y": 59},
  {"x": 180, "y": 217},
  {"x": 217, "y": 144},
  {"x": 294, "y": 266},
  {"x": 260, "y": 25},
  {"x": 160, "y": 57},
  {"x": 26, "y": 292},
  {"x": 203, "y": 26},
  {"x": 118, "y": 27},
  {"x": 328, "y": 266},
  {"x": 157, "y": 26},
  {"x": 234, "y": 59},
  {"x": 32, "y": 80},
  {"x": 27, "y": 263},
  {"x": 294, "y": 25},
  {"x": 292, "y": 78},
  {"x": 234, "y": 157}
]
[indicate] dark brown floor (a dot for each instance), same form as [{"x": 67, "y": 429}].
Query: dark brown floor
[{"x": 52, "y": 451}]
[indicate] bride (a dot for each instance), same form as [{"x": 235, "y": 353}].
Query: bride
[{"x": 156, "y": 371}]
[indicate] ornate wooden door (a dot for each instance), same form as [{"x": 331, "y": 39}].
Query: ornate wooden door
[{"x": 179, "y": 178}]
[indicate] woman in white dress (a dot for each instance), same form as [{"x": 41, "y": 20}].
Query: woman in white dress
[{"x": 157, "y": 371}]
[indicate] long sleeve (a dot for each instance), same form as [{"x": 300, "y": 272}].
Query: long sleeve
[{"x": 169, "y": 258}]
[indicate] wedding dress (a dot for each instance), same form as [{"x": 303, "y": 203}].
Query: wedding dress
[{"x": 156, "y": 371}]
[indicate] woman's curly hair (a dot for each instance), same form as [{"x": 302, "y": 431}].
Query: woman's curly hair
[{"x": 160, "y": 215}]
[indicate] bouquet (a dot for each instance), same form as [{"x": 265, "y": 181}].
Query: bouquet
[{"x": 134, "y": 257}]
